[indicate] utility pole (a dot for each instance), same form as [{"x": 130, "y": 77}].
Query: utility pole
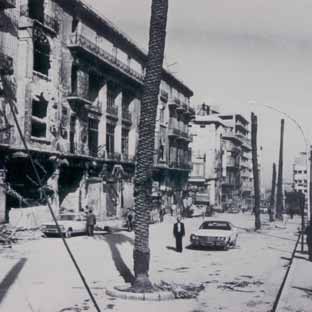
[
  {"x": 279, "y": 194},
  {"x": 254, "y": 130},
  {"x": 272, "y": 199}
]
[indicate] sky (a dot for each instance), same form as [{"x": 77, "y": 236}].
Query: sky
[{"x": 242, "y": 56}]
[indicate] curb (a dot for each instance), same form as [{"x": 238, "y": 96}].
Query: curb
[{"x": 158, "y": 296}]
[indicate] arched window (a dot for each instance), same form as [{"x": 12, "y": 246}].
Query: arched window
[{"x": 41, "y": 52}]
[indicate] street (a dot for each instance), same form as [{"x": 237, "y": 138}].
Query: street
[{"x": 37, "y": 275}]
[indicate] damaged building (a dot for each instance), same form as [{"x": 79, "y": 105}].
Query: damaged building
[{"x": 77, "y": 82}]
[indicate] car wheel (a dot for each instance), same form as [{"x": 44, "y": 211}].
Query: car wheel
[{"x": 69, "y": 233}]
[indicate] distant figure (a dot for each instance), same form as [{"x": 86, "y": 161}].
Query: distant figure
[
  {"x": 130, "y": 220},
  {"x": 285, "y": 217},
  {"x": 91, "y": 221},
  {"x": 173, "y": 208},
  {"x": 308, "y": 232},
  {"x": 161, "y": 215},
  {"x": 179, "y": 232}
]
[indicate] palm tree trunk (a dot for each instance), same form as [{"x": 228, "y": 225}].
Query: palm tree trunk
[
  {"x": 143, "y": 172},
  {"x": 272, "y": 199},
  {"x": 254, "y": 129}
]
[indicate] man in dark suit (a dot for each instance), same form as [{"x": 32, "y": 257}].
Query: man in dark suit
[{"x": 179, "y": 232}]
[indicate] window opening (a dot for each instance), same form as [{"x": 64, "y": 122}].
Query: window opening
[{"x": 41, "y": 53}]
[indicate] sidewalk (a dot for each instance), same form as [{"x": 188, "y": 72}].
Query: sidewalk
[{"x": 297, "y": 293}]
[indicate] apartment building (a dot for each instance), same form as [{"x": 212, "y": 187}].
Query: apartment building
[
  {"x": 300, "y": 176},
  {"x": 237, "y": 185},
  {"x": 207, "y": 155},
  {"x": 78, "y": 81}
]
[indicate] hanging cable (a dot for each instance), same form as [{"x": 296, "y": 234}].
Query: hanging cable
[{"x": 12, "y": 106}]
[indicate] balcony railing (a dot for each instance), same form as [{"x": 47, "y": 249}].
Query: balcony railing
[
  {"x": 79, "y": 40},
  {"x": 180, "y": 165},
  {"x": 164, "y": 95},
  {"x": 46, "y": 20},
  {"x": 7, "y": 4},
  {"x": 114, "y": 156},
  {"x": 6, "y": 64},
  {"x": 112, "y": 110},
  {"x": 172, "y": 131},
  {"x": 79, "y": 98},
  {"x": 126, "y": 116}
]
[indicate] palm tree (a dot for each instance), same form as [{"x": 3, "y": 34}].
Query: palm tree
[{"x": 143, "y": 171}]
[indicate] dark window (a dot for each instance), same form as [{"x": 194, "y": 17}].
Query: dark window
[
  {"x": 124, "y": 142},
  {"x": 38, "y": 120},
  {"x": 36, "y": 10},
  {"x": 75, "y": 23},
  {"x": 211, "y": 225},
  {"x": 74, "y": 81},
  {"x": 41, "y": 53},
  {"x": 93, "y": 136},
  {"x": 110, "y": 138},
  {"x": 95, "y": 84},
  {"x": 72, "y": 133}
]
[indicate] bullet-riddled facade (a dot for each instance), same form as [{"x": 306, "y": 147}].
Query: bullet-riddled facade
[{"x": 78, "y": 82}]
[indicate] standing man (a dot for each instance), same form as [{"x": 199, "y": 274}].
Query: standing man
[
  {"x": 308, "y": 232},
  {"x": 91, "y": 221},
  {"x": 130, "y": 220},
  {"x": 179, "y": 232}
]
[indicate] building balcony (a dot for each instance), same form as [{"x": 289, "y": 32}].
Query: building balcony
[
  {"x": 79, "y": 99},
  {"x": 173, "y": 132},
  {"x": 127, "y": 158},
  {"x": 6, "y": 64},
  {"x": 164, "y": 96},
  {"x": 80, "y": 42},
  {"x": 112, "y": 111},
  {"x": 185, "y": 136},
  {"x": 179, "y": 165},
  {"x": 231, "y": 136},
  {"x": 158, "y": 162},
  {"x": 48, "y": 22},
  {"x": 126, "y": 116},
  {"x": 113, "y": 156},
  {"x": 7, "y": 4}
]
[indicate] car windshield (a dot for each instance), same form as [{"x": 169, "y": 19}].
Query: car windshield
[
  {"x": 67, "y": 217},
  {"x": 211, "y": 225}
]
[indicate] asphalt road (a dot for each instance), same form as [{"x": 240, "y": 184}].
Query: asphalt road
[{"x": 38, "y": 275}]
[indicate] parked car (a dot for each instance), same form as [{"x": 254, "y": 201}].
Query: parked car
[
  {"x": 234, "y": 210},
  {"x": 70, "y": 223},
  {"x": 215, "y": 233},
  {"x": 263, "y": 210}
]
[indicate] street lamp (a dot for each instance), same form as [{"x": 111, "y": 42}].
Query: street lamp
[{"x": 307, "y": 145}]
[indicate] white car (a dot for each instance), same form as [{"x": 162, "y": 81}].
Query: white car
[
  {"x": 70, "y": 223},
  {"x": 215, "y": 233}
]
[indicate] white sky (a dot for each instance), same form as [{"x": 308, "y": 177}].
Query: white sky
[{"x": 233, "y": 52}]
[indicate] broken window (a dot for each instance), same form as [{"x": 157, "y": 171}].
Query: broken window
[
  {"x": 93, "y": 136},
  {"x": 41, "y": 52},
  {"x": 125, "y": 142},
  {"x": 110, "y": 140},
  {"x": 95, "y": 84},
  {"x": 38, "y": 119},
  {"x": 74, "y": 79},
  {"x": 72, "y": 133},
  {"x": 36, "y": 10}
]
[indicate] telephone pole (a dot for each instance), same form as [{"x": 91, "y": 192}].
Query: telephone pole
[{"x": 279, "y": 194}]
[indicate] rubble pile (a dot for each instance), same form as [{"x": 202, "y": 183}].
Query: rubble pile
[
  {"x": 6, "y": 235},
  {"x": 10, "y": 235},
  {"x": 181, "y": 291}
]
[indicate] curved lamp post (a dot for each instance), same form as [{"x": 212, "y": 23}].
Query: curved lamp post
[{"x": 307, "y": 145}]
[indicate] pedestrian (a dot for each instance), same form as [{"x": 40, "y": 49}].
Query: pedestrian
[
  {"x": 308, "y": 232},
  {"x": 179, "y": 232},
  {"x": 161, "y": 215},
  {"x": 91, "y": 221},
  {"x": 130, "y": 220},
  {"x": 173, "y": 208}
]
